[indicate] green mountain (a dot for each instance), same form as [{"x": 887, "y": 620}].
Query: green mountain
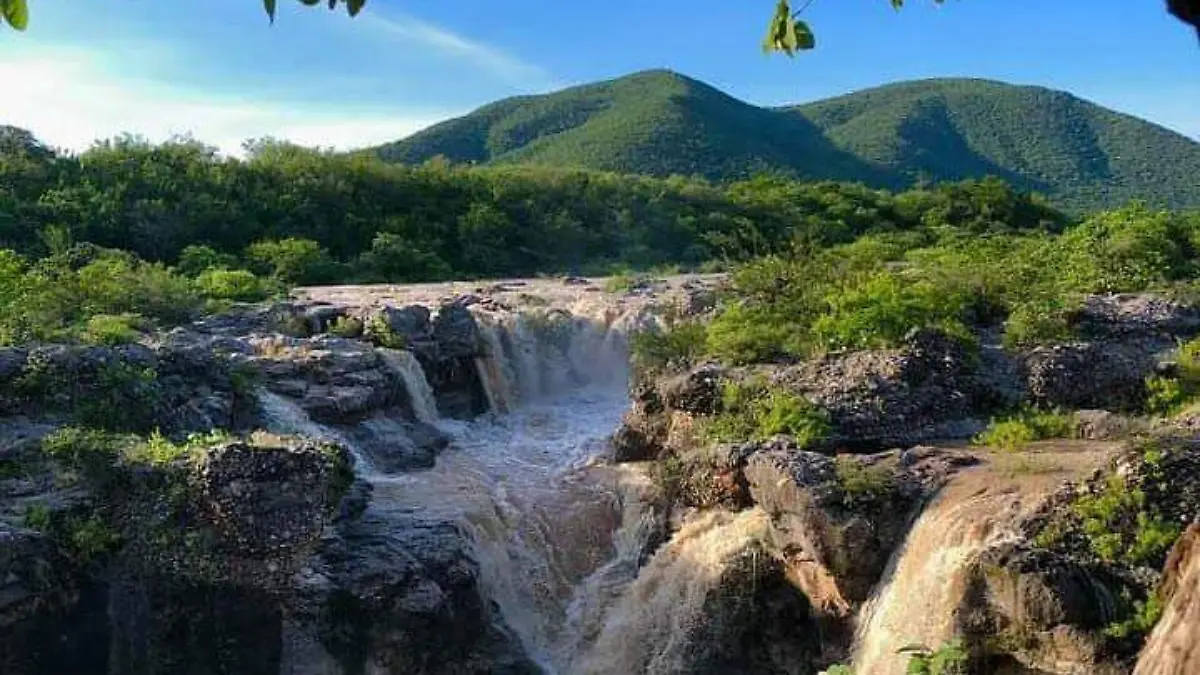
[{"x": 1082, "y": 156}]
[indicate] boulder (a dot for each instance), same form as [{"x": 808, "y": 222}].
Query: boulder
[
  {"x": 411, "y": 322},
  {"x": 1171, "y": 648},
  {"x": 393, "y": 445},
  {"x": 456, "y": 332},
  {"x": 924, "y": 390},
  {"x": 265, "y": 500},
  {"x": 697, "y": 392},
  {"x": 1137, "y": 315},
  {"x": 1105, "y": 375},
  {"x": 401, "y": 597}
]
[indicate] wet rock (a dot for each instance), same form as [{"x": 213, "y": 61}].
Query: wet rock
[
  {"x": 1105, "y": 375},
  {"x": 404, "y": 598},
  {"x": 394, "y": 445},
  {"x": 268, "y": 499},
  {"x": 1171, "y": 647},
  {"x": 456, "y": 332}
]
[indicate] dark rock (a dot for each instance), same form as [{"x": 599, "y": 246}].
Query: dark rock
[
  {"x": 1140, "y": 315},
  {"x": 575, "y": 281},
  {"x": 456, "y": 332},
  {"x": 264, "y": 500},
  {"x": 405, "y": 598},
  {"x": 1108, "y": 375},
  {"x": 887, "y": 398},
  {"x": 697, "y": 392},
  {"x": 321, "y": 317},
  {"x": 411, "y": 323},
  {"x": 394, "y": 445}
]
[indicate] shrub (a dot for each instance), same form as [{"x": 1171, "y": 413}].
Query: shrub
[
  {"x": 235, "y": 285},
  {"x": 1167, "y": 395},
  {"x": 393, "y": 258},
  {"x": 657, "y": 349},
  {"x": 1028, "y": 425},
  {"x": 108, "y": 329},
  {"x": 753, "y": 411},
  {"x": 90, "y": 452},
  {"x": 951, "y": 658},
  {"x": 196, "y": 259},
  {"x": 1041, "y": 321},
  {"x": 381, "y": 333},
  {"x": 292, "y": 260},
  {"x": 862, "y": 483},
  {"x": 1118, "y": 526},
  {"x": 347, "y": 327}
]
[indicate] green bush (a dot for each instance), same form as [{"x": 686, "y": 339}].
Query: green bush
[
  {"x": 292, "y": 260},
  {"x": 381, "y": 333},
  {"x": 657, "y": 349},
  {"x": 1014, "y": 433},
  {"x": 754, "y": 411},
  {"x": 90, "y": 452},
  {"x": 232, "y": 284},
  {"x": 1166, "y": 395},
  {"x": 862, "y": 483},
  {"x": 1118, "y": 526},
  {"x": 196, "y": 259},
  {"x": 347, "y": 327},
  {"x": 951, "y": 658},
  {"x": 107, "y": 329}
]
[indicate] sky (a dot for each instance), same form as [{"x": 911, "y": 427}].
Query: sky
[{"x": 219, "y": 71}]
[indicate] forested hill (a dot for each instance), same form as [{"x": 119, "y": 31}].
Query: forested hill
[{"x": 1081, "y": 155}]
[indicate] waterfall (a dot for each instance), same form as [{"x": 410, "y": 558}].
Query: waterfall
[
  {"x": 492, "y": 367},
  {"x": 285, "y": 417},
  {"x": 667, "y": 601},
  {"x": 918, "y": 601},
  {"x": 405, "y": 364}
]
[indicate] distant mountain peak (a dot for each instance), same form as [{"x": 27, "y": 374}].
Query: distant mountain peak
[{"x": 660, "y": 122}]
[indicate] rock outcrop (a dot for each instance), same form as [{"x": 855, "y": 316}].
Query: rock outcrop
[{"x": 1174, "y": 646}]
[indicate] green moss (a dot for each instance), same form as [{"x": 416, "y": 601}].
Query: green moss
[{"x": 861, "y": 483}]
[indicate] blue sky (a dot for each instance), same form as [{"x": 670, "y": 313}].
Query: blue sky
[{"x": 215, "y": 68}]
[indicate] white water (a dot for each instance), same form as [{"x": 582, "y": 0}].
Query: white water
[
  {"x": 556, "y": 532},
  {"x": 924, "y": 587},
  {"x": 405, "y": 365}
]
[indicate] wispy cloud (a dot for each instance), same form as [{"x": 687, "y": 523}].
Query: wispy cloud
[
  {"x": 493, "y": 61},
  {"x": 70, "y": 97}
]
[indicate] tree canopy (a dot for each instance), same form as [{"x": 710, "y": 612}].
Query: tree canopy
[{"x": 787, "y": 32}]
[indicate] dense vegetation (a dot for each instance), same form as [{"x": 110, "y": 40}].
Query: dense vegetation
[
  {"x": 875, "y": 291},
  {"x": 1082, "y": 156},
  {"x": 129, "y": 234}
]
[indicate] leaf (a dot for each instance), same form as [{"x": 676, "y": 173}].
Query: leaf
[
  {"x": 804, "y": 35},
  {"x": 355, "y": 6},
  {"x": 777, "y": 29},
  {"x": 310, "y": 3},
  {"x": 269, "y": 5},
  {"x": 16, "y": 13}
]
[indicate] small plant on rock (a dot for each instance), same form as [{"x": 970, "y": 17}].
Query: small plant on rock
[
  {"x": 755, "y": 411},
  {"x": 949, "y": 659}
]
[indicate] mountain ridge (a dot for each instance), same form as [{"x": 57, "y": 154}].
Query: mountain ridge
[{"x": 1081, "y": 155}]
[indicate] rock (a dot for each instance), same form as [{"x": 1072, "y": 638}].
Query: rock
[
  {"x": 1140, "y": 315},
  {"x": 575, "y": 281},
  {"x": 922, "y": 391},
  {"x": 1103, "y": 425},
  {"x": 1107, "y": 375},
  {"x": 697, "y": 392},
  {"x": 456, "y": 332},
  {"x": 394, "y": 445},
  {"x": 411, "y": 322},
  {"x": 405, "y": 598},
  {"x": 1171, "y": 647},
  {"x": 630, "y": 444},
  {"x": 321, "y": 317},
  {"x": 263, "y": 500}
]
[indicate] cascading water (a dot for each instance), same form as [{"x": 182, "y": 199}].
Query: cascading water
[
  {"x": 556, "y": 532},
  {"x": 419, "y": 392},
  {"x": 923, "y": 589}
]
